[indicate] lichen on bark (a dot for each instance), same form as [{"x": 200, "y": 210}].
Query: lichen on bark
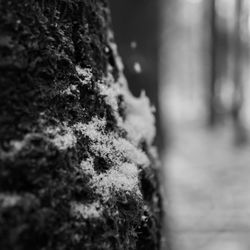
[{"x": 77, "y": 165}]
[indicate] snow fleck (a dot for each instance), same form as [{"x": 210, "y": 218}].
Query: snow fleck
[
  {"x": 106, "y": 49},
  {"x": 18, "y": 145},
  {"x": 86, "y": 211},
  {"x": 133, "y": 44},
  {"x": 9, "y": 200},
  {"x": 85, "y": 73},
  {"x": 110, "y": 95},
  {"x": 137, "y": 67},
  {"x": 88, "y": 166},
  {"x": 71, "y": 90},
  {"x": 110, "y": 91},
  {"x": 64, "y": 141}
]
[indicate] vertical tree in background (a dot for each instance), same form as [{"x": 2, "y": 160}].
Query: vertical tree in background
[
  {"x": 213, "y": 74},
  {"x": 237, "y": 101},
  {"x": 227, "y": 63}
]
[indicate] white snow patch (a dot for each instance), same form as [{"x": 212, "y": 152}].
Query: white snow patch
[
  {"x": 123, "y": 178},
  {"x": 123, "y": 157},
  {"x": 110, "y": 90},
  {"x": 120, "y": 178},
  {"x": 86, "y": 211},
  {"x": 71, "y": 90},
  {"x": 110, "y": 95},
  {"x": 109, "y": 145},
  {"x": 65, "y": 141},
  {"x": 88, "y": 166},
  {"x": 140, "y": 121}
]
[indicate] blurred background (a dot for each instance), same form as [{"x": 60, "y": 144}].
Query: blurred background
[{"x": 192, "y": 57}]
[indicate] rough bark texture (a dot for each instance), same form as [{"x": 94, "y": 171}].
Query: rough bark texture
[{"x": 77, "y": 169}]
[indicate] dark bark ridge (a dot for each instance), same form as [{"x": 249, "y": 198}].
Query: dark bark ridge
[{"x": 77, "y": 166}]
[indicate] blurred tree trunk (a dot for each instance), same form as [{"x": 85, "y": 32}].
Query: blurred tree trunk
[
  {"x": 77, "y": 167},
  {"x": 213, "y": 64},
  {"x": 237, "y": 101}
]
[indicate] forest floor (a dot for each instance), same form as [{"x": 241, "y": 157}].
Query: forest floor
[{"x": 208, "y": 183}]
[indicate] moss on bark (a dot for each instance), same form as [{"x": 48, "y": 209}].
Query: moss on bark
[{"x": 72, "y": 174}]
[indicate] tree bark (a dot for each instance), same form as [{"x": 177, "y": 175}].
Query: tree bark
[
  {"x": 213, "y": 80},
  {"x": 77, "y": 166}
]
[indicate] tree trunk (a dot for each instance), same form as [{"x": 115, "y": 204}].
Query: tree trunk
[
  {"x": 213, "y": 80},
  {"x": 237, "y": 51},
  {"x": 237, "y": 102},
  {"x": 77, "y": 166}
]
